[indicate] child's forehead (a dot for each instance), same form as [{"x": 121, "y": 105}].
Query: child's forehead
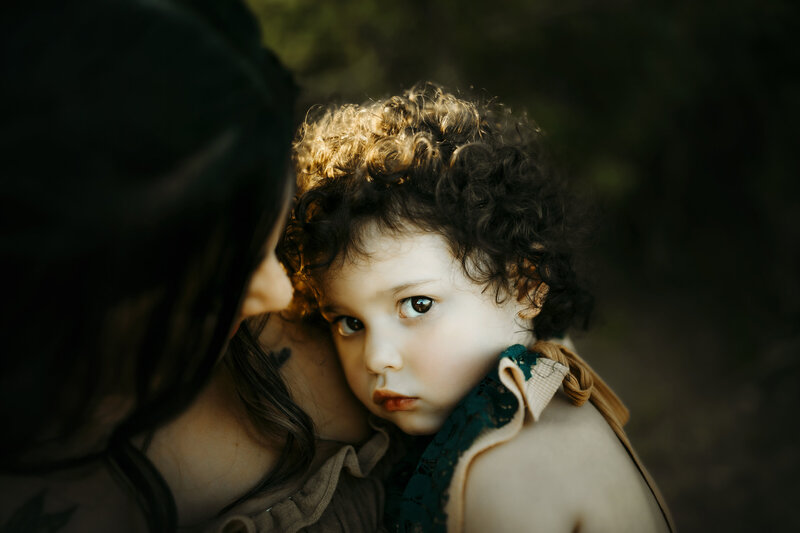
[
  {"x": 390, "y": 263},
  {"x": 379, "y": 247},
  {"x": 366, "y": 234},
  {"x": 376, "y": 236},
  {"x": 376, "y": 241}
]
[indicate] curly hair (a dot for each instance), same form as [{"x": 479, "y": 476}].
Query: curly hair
[{"x": 430, "y": 161}]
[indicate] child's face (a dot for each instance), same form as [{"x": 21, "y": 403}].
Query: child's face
[{"x": 414, "y": 334}]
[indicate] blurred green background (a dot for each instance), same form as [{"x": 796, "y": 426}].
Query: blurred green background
[{"x": 679, "y": 120}]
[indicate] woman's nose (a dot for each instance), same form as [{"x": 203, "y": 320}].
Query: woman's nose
[
  {"x": 269, "y": 289},
  {"x": 381, "y": 354}
]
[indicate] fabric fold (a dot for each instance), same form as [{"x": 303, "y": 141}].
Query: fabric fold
[{"x": 344, "y": 494}]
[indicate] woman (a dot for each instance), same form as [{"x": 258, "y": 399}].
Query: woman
[
  {"x": 276, "y": 442},
  {"x": 143, "y": 178}
]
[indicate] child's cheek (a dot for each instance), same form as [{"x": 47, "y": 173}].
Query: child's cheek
[
  {"x": 355, "y": 374},
  {"x": 443, "y": 362}
]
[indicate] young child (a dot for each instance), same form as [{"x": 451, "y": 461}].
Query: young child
[{"x": 432, "y": 236}]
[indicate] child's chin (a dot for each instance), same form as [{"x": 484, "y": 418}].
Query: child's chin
[{"x": 416, "y": 428}]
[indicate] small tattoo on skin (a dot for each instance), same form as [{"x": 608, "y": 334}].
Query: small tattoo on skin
[{"x": 281, "y": 356}]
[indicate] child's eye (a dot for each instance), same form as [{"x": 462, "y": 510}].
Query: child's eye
[
  {"x": 347, "y": 325},
  {"x": 415, "y": 306}
]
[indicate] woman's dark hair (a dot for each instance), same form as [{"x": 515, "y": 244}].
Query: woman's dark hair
[
  {"x": 142, "y": 168},
  {"x": 430, "y": 161}
]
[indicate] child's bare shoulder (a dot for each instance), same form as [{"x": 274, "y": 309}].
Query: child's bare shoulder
[{"x": 566, "y": 472}]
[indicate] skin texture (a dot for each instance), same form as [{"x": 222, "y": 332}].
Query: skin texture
[
  {"x": 210, "y": 454},
  {"x": 577, "y": 477},
  {"x": 386, "y": 344},
  {"x": 314, "y": 376}
]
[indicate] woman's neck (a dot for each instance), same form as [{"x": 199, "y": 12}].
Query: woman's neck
[{"x": 211, "y": 454}]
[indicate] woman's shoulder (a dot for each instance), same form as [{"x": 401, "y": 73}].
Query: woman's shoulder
[{"x": 566, "y": 470}]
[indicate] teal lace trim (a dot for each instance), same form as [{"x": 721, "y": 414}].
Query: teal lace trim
[{"x": 417, "y": 490}]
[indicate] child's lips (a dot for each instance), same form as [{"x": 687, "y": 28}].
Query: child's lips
[{"x": 393, "y": 401}]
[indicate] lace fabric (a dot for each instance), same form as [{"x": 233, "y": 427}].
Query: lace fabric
[{"x": 418, "y": 489}]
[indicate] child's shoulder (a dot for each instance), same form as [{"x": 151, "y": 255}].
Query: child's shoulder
[{"x": 566, "y": 470}]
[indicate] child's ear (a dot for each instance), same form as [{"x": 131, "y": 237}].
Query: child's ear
[{"x": 533, "y": 300}]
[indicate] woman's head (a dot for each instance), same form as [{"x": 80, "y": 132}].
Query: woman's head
[
  {"x": 143, "y": 170},
  {"x": 428, "y": 161}
]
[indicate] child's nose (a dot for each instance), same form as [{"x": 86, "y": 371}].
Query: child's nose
[{"x": 381, "y": 354}]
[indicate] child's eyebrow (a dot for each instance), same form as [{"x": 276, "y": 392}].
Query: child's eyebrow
[
  {"x": 327, "y": 310},
  {"x": 403, "y": 287}
]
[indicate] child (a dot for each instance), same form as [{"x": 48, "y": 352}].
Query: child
[{"x": 431, "y": 235}]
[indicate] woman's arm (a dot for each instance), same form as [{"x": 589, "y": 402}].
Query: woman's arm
[{"x": 567, "y": 472}]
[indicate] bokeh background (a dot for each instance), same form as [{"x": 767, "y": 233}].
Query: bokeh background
[{"x": 679, "y": 119}]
